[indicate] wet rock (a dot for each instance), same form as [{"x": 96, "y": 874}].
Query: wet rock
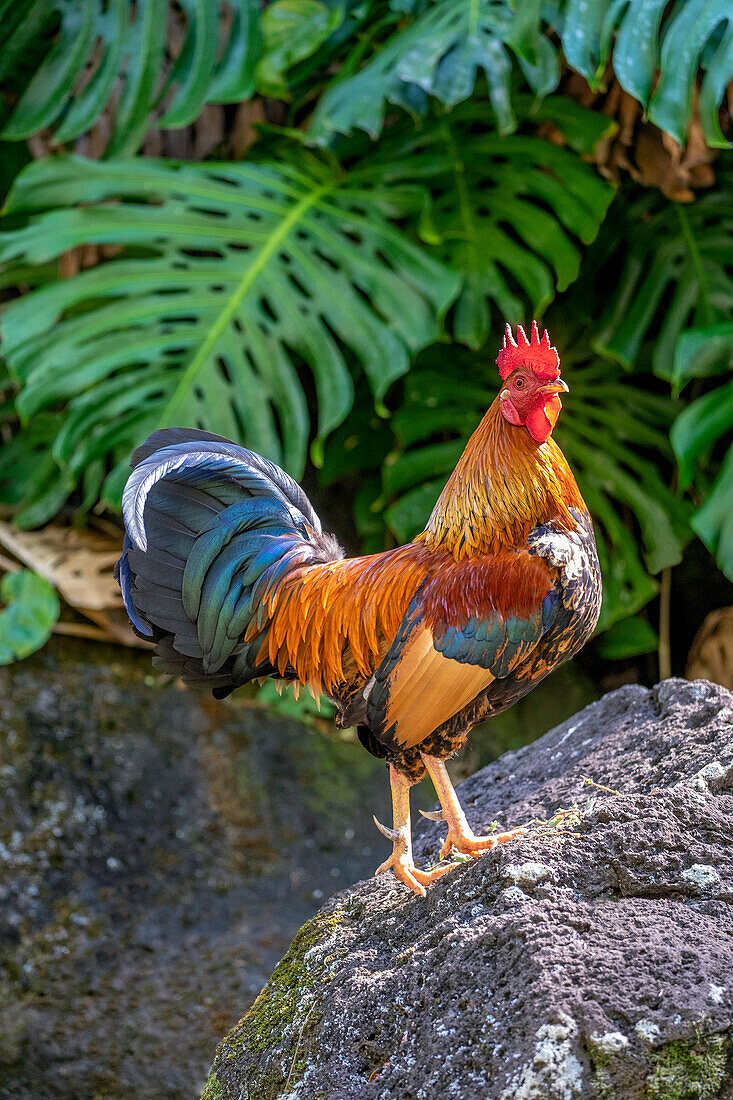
[{"x": 595, "y": 965}]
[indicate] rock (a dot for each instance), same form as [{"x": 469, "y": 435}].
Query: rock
[
  {"x": 157, "y": 852},
  {"x": 597, "y": 965}
]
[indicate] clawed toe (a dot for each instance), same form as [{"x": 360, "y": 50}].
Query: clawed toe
[
  {"x": 406, "y": 872},
  {"x": 460, "y": 838},
  {"x": 467, "y": 844}
]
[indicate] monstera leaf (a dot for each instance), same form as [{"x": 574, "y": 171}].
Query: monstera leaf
[
  {"x": 612, "y": 434},
  {"x": 291, "y": 30},
  {"x": 702, "y": 425},
  {"x": 441, "y": 53},
  {"x": 678, "y": 274},
  {"x": 657, "y": 59},
  {"x": 232, "y": 278},
  {"x": 107, "y": 52},
  {"x": 507, "y": 213}
]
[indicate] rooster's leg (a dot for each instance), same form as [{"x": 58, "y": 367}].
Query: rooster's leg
[
  {"x": 460, "y": 835},
  {"x": 401, "y": 859}
]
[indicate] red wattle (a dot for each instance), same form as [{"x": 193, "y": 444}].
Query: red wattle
[{"x": 541, "y": 420}]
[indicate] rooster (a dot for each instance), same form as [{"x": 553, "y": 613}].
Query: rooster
[{"x": 226, "y": 568}]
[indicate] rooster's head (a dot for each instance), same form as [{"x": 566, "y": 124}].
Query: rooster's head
[{"x": 530, "y": 370}]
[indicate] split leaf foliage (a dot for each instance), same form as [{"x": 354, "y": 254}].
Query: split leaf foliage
[
  {"x": 232, "y": 278},
  {"x": 509, "y": 214},
  {"x": 441, "y": 53},
  {"x": 158, "y": 62},
  {"x": 673, "y": 309},
  {"x": 657, "y": 50},
  {"x": 704, "y": 427},
  {"x": 254, "y": 299},
  {"x": 110, "y": 55},
  {"x": 677, "y": 274}
]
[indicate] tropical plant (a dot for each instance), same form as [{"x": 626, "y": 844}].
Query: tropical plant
[
  {"x": 418, "y": 181},
  {"x": 658, "y": 50},
  {"x": 673, "y": 310},
  {"x": 677, "y": 275},
  {"x": 508, "y": 214},
  {"x": 110, "y": 55},
  {"x": 705, "y": 423},
  {"x": 231, "y": 275}
]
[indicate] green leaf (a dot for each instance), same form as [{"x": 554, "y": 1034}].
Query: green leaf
[
  {"x": 608, "y": 426},
  {"x": 304, "y": 709},
  {"x": 232, "y": 278},
  {"x": 110, "y": 56},
  {"x": 31, "y": 482},
  {"x": 441, "y": 54},
  {"x": 703, "y": 351},
  {"x": 676, "y": 276},
  {"x": 408, "y": 515},
  {"x": 32, "y": 608},
  {"x": 291, "y": 30},
  {"x": 714, "y": 521},
  {"x": 692, "y": 41},
  {"x": 654, "y": 37},
  {"x": 628, "y": 638},
  {"x": 358, "y": 445},
  {"x": 699, "y": 426},
  {"x": 507, "y": 213},
  {"x": 582, "y": 128},
  {"x": 414, "y": 467}
]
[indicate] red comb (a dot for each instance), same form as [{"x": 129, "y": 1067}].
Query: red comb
[{"x": 537, "y": 354}]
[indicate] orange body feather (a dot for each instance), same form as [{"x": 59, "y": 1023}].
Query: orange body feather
[{"x": 333, "y": 623}]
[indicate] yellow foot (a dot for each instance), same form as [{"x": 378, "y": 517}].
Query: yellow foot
[
  {"x": 460, "y": 835},
  {"x": 470, "y": 845},
  {"x": 463, "y": 840},
  {"x": 400, "y": 862}
]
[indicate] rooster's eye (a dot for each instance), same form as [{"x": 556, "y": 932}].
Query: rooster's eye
[{"x": 519, "y": 383}]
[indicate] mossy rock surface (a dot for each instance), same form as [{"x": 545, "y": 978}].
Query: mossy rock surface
[{"x": 591, "y": 966}]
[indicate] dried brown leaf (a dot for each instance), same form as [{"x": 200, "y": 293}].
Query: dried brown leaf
[
  {"x": 78, "y": 563},
  {"x": 649, "y": 155},
  {"x": 711, "y": 656}
]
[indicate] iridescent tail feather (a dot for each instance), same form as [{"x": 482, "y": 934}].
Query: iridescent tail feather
[{"x": 210, "y": 528}]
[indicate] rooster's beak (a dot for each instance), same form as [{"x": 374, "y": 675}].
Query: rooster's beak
[{"x": 555, "y": 387}]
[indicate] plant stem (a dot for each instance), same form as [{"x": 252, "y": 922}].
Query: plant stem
[{"x": 665, "y": 607}]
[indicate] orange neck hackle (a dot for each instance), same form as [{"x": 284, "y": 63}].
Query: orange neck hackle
[{"x": 504, "y": 484}]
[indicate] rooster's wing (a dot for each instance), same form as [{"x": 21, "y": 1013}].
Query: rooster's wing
[{"x": 438, "y": 664}]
